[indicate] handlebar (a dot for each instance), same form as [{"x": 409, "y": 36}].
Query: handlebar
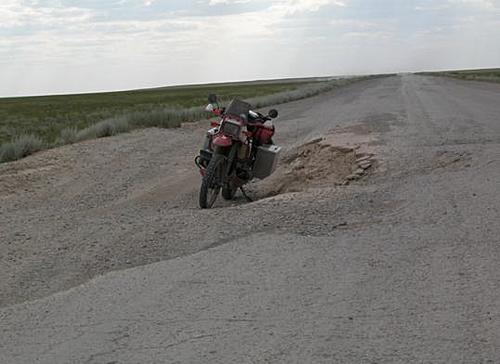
[{"x": 222, "y": 112}]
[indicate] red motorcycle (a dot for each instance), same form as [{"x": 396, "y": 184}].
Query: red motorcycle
[{"x": 238, "y": 148}]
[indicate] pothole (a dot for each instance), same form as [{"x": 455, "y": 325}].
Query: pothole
[{"x": 315, "y": 164}]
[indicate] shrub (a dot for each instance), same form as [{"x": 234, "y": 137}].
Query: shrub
[
  {"x": 300, "y": 93},
  {"x": 105, "y": 128},
  {"x": 20, "y": 147},
  {"x": 165, "y": 117},
  {"x": 68, "y": 136}
]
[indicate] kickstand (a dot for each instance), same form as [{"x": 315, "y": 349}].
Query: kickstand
[{"x": 245, "y": 194}]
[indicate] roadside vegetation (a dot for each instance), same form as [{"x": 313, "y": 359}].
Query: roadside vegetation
[
  {"x": 489, "y": 75},
  {"x": 30, "y": 124}
]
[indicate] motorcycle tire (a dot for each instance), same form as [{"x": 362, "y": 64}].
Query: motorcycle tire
[
  {"x": 228, "y": 192},
  {"x": 212, "y": 181}
]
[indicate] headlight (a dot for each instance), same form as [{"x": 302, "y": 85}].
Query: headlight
[{"x": 231, "y": 128}]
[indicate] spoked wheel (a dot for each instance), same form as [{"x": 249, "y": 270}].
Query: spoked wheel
[
  {"x": 228, "y": 191},
  {"x": 212, "y": 181}
]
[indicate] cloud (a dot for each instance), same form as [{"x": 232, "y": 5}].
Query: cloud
[
  {"x": 226, "y": 2},
  {"x": 354, "y": 23},
  {"x": 485, "y": 4},
  {"x": 17, "y": 13},
  {"x": 298, "y": 6},
  {"x": 450, "y": 4},
  {"x": 301, "y": 5}
]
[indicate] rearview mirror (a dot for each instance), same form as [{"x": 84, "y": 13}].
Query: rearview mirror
[
  {"x": 273, "y": 113},
  {"x": 212, "y": 98}
]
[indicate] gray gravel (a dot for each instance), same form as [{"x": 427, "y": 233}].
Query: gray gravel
[{"x": 400, "y": 266}]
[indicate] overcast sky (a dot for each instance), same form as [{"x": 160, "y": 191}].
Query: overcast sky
[{"x": 66, "y": 46}]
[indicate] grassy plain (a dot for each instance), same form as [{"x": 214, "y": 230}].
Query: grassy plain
[
  {"x": 489, "y": 74},
  {"x": 47, "y": 116}
]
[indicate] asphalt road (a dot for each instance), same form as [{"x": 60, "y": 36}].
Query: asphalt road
[{"x": 399, "y": 267}]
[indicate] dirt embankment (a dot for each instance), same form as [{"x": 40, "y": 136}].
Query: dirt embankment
[{"x": 321, "y": 162}]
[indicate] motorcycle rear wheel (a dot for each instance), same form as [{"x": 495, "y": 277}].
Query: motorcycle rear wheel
[{"x": 212, "y": 181}]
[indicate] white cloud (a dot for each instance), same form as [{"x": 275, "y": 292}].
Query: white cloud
[
  {"x": 292, "y": 5},
  {"x": 354, "y": 23},
  {"x": 298, "y": 6},
  {"x": 449, "y": 4},
  {"x": 485, "y": 4},
  {"x": 17, "y": 13},
  {"x": 218, "y": 2}
]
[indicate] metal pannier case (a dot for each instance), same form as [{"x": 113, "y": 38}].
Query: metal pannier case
[{"x": 266, "y": 160}]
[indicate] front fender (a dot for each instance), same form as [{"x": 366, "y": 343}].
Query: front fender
[{"x": 222, "y": 141}]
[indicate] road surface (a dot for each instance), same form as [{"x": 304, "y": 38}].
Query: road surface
[{"x": 105, "y": 257}]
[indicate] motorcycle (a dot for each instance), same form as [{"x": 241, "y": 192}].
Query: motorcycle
[{"x": 237, "y": 149}]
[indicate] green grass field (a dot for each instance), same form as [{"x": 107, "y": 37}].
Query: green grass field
[
  {"x": 489, "y": 75},
  {"x": 47, "y": 116}
]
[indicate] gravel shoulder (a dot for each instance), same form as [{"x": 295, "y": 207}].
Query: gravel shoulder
[{"x": 398, "y": 266}]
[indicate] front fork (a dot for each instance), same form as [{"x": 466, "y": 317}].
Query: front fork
[
  {"x": 203, "y": 160},
  {"x": 230, "y": 154},
  {"x": 231, "y": 159}
]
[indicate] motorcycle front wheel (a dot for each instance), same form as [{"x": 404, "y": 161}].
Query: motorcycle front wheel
[
  {"x": 228, "y": 191},
  {"x": 212, "y": 181}
]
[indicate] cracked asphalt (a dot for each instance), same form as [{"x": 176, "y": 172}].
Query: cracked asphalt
[{"x": 107, "y": 259}]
